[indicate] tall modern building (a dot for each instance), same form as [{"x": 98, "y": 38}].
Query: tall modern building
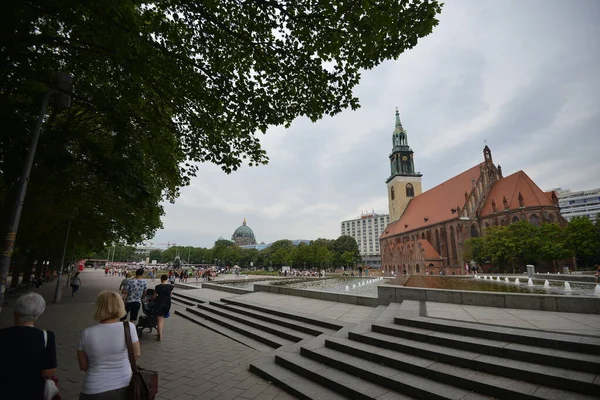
[
  {"x": 585, "y": 203},
  {"x": 366, "y": 231}
]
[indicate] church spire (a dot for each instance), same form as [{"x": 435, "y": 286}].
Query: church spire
[
  {"x": 401, "y": 159},
  {"x": 398, "y": 123}
]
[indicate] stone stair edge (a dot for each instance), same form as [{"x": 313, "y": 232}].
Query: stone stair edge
[
  {"x": 256, "y": 334},
  {"x": 292, "y": 382},
  {"x": 546, "y": 375},
  {"x": 561, "y": 341},
  {"x": 339, "y": 381},
  {"x": 525, "y": 352},
  {"x": 233, "y": 335},
  {"x": 312, "y": 319},
  {"x": 288, "y": 322},
  {"x": 488, "y": 383},
  {"x": 278, "y": 330}
]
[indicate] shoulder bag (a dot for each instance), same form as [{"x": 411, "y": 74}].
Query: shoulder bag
[{"x": 144, "y": 383}]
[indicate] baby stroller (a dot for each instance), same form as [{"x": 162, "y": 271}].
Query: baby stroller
[{"x": 148, "y": 319}]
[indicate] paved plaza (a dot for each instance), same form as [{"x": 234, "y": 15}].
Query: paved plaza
[
  {"x": 197, "y": 363},
  {"x": 193, "y": 362}
]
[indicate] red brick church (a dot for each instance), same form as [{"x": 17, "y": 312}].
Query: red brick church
[{"x": 428, "y": 229}]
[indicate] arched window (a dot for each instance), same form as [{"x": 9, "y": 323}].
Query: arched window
[
  {"x": 410, "y": 190},
  {"x": 534, "y": 220},
  {"x": 514, "y": 219},
  {"x": 493, "y": 206},
  {"x": 423, "y": 235},
  {"x": 474, "y": 231},
  {"x": 392, "y": 193},
  {"x": 418, "y": 269}
]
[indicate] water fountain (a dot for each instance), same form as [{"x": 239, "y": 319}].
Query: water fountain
[
  {"x": 529, "y": 282},
  {"x": 597, "y": 290},
  {"x": 546, "y": 284},
  {"x": 517, "y": 281},
  {"x": 346, "y": 289},
  {"x": 246, "y": 277},
  {"x": 497, "y": 279},
  {"x": 353, "y": 286},
  {"x": 567, "y": 286},
  {"x": 506, "y": 280}
]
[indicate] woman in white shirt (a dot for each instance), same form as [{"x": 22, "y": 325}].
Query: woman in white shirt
[{"x": 102, "y": 351}]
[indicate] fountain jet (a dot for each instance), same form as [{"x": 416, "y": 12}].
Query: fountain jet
[
  {"x": 529, "y": 282},
  {"x": 567, "y": 286},
  {"x": 517, "y": 281},
  {"x": 506, "y": 280},
  {"x": 546, "y": 284},
  {"x": 346, "y": 289},
  {"x": 597, "y": 290}
]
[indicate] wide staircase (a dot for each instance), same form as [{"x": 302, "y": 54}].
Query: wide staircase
[
  {"x": 400, "y": 353},
  {"x": 403, "y": 355},
  {"x": 260, "y": 327}
]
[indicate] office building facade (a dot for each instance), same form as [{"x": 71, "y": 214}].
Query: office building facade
[{"x": 366, "y": 231}]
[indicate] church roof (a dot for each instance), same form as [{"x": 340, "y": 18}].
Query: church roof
[
  {"x": 510, "y": 187},
  {"x": 435, "y": 205},
  {"x": 429, "y": 251},
  {"x": 243, "y": 231}
]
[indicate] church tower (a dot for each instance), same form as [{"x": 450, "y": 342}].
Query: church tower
[{"x": 404, "y": 183}]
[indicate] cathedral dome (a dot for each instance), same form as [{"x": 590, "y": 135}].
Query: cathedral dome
[{"x": 243, "y": 235}]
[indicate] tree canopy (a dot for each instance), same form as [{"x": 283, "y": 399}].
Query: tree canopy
[
  {"x": 524, "y": 243},
  {"x": 160, "y": 86}
]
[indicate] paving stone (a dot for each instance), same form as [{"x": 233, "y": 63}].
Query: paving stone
[{"x": 253, "y": 391}]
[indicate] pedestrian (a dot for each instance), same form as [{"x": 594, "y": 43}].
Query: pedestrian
[
  {"x": 75, "y": 283},
  {"x": 359, "y": 271},
  {"x": 134, "y": 291},
  {"x": 124, "y": 284},
  {"x": 597, "y": 272},
  {"x": 28, "y": 353},
  {"x": 162, "y": 304},
  {"x": 102, "y": 351}
]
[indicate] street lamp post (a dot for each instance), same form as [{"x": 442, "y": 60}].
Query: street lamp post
[{"x": 60, "y": 91}]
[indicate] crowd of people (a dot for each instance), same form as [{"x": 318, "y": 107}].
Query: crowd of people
[{"x": 30, "y": 363}]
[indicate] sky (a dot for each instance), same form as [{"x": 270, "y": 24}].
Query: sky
[{"x": 521, "y": 76}]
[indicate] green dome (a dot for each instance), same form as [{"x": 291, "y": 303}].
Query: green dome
[{"x": 244, "y": 232}]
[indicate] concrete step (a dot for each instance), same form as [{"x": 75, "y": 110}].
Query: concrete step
[
  {"x": 295, "y": 384},
  {"x": 238, "y": 337},
  {"x": 182, "y": 300},
  {"x": 300, "y": 326},
  {"x": 468, "y": 378},
  {"x": 186, "y": 297},
  {"x": 558, "y": 341},
  {"x": 278, "y": 330},
  {"x": 310, "y": 319},
  {"x": 253, "y": 333},
  {"x": 351, "y": 386},
  {"x": 561, "y": 378},
  {"x": 516, "y": 351}
]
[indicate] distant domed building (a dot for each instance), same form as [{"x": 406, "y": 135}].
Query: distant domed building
[{"x": 243, "y": 235}]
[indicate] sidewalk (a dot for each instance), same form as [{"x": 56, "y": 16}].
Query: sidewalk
[{"x": 193, "y": 362}]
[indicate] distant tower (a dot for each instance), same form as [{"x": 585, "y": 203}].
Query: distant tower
[{"x": 404, "y": 183}]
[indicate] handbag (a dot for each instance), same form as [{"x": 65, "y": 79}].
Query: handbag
[
  {"x": 51, "y": 391},
  {"x": 144, "y": 382}
]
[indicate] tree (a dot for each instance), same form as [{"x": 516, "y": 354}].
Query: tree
[
  {"x": 474, "y": 250},
  {"x": 161, "y": 86},
  {"x": 552, "y": 243},
  {"x": 155, "y": 255},
  {"x": 581, "y": 238}
]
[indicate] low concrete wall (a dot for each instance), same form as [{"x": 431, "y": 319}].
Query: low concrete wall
[
  {"x": 577, "y": 304},
  {"x": 223, "y": 288},
  {"x": 319, "y": 295},
  {"x": 570, "y": 277}
]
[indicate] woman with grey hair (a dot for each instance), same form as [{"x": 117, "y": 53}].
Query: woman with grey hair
[{"x": 28, "y": 353}]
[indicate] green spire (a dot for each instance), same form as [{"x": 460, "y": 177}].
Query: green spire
[{"x": 398, "y": 123}]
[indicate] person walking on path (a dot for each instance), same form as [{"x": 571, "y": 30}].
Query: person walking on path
[
  {"x": 75, "y": 283},
  {"x": 134, "y": 292},
  {"x": 162, "y": 303},
  {"x": 28, "y": 353},
  {"x": 102, "y": 351}
]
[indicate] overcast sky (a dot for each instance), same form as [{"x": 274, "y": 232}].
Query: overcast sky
[{"x": 523, "y": 75}]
